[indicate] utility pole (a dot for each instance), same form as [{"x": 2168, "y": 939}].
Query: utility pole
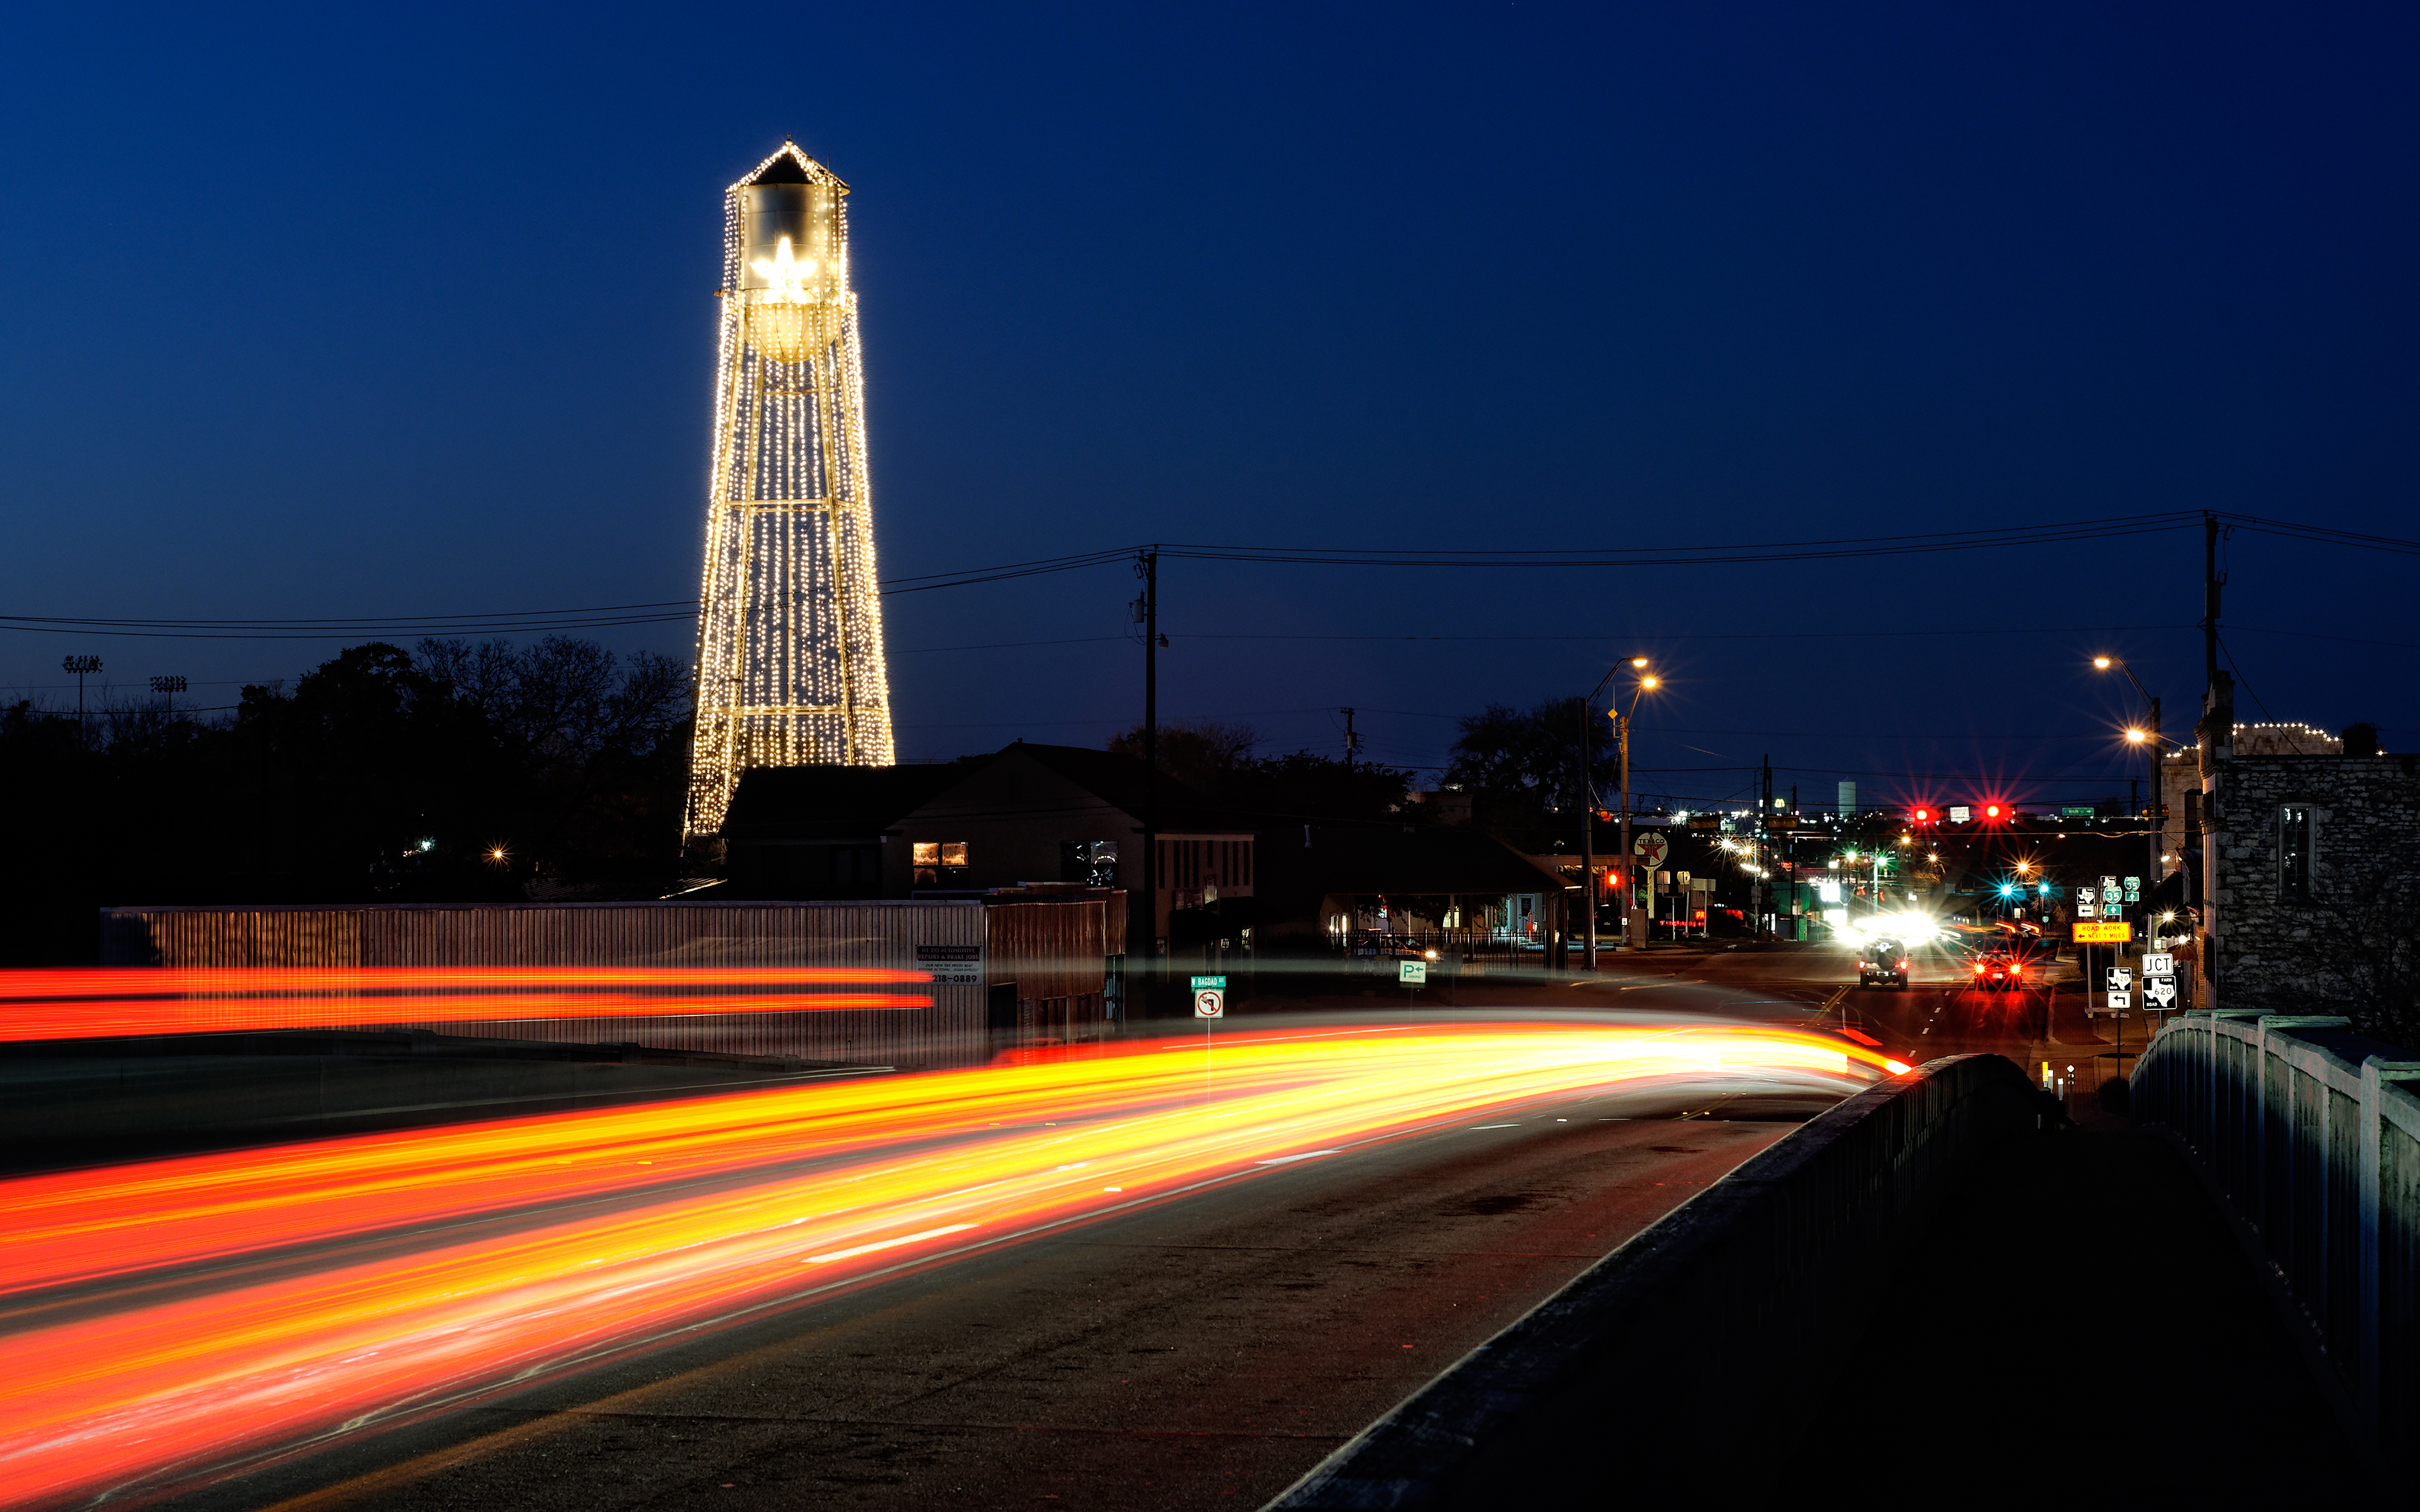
[
  {"x": 1588, "y": 829},
  {"x": 1147, "y": 567},
  {"x": 1352, "y": 741},
  {"x": 2211, "y": 582}
]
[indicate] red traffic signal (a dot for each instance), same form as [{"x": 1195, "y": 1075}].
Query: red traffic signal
[{"x": 1923, "y": 815}]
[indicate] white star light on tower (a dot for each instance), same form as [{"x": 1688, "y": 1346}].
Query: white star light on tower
[{"x": 788, "y": 277}]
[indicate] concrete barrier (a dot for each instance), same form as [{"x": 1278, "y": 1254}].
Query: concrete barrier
[
  {"x": 1654, "y": 1368},
  {"x": 2309, "y": 1134}
]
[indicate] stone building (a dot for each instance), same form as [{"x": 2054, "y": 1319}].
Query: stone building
[{"x": 2310, "y": 868}]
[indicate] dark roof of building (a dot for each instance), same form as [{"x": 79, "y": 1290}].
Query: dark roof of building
[
  {"x": 776, "y": 803},
  {"x": 1117, "y": 779}
]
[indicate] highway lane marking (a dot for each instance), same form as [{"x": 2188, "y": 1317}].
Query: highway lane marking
[
  {"x": 886, "y": 1243},
  {"x": 1495, "y": 1126},
  {"x": 1308, "y": 1154}
]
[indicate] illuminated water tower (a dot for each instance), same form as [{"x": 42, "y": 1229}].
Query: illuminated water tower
[{"x": 789, "y": 631}]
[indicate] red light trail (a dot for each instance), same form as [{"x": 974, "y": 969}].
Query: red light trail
[
  {"x": 113, "y": 1002},
  {"x": 172, "y": 1322}
]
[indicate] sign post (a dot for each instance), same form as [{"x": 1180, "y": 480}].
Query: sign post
[
  {"x": 1209, "y": 999},
  {"x": 2159, "y": 981},
  {"x": 1209, "y": 1003}
]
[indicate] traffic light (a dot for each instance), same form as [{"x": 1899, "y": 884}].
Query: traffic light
[{"x": 1923, "y": 815}]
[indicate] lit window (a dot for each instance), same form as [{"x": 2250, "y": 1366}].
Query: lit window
[{"x": 936, "y": 860}]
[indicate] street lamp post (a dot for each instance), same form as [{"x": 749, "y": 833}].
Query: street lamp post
[
  {"x": 1588, "y": 807},
  {"x": 2148, "y": 736},
  {"x": 1623, "y": 866}
]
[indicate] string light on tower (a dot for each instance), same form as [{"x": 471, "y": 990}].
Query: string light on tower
[{"x": 789, "y": 636}]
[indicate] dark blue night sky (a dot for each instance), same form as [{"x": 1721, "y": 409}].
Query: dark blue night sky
[{"x": 384, "y": 311}]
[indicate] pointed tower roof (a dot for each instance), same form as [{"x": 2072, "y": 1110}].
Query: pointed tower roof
[{"x": 789, "y": 165}]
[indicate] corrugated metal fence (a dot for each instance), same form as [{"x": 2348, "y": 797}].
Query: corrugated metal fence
[{"x": 875, "y": 934}]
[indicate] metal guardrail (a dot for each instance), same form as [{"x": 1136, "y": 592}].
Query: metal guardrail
[
  {"x": 1631, "y": 1375},
  {"x": 2309, "y": 1134}
]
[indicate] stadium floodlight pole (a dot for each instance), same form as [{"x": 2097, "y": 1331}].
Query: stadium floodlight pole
[
  {"x": 81, "y": 666},
  {"x": 169, "y": 687},
  {"x": 1624, "y": 865}
]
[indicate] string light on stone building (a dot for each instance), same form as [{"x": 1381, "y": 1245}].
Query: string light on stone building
[{"x": 789, "y": 636}]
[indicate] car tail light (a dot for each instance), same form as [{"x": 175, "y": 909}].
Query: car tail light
[
  {"x": 1902, "y": 966},
  {"x": 1979, "y": 968}
]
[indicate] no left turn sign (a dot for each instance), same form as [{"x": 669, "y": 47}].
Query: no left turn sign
[{"x": 1209, "y": 1003}]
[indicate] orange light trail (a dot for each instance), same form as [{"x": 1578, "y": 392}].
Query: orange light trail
[
  {"x": 115, "y": 1002},
  {"x": 176, "y": 1320}
]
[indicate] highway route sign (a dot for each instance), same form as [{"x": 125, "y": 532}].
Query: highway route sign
[
  {"x": 2159, "y": 992},
  {"x": 1413, "y": 973},
  {"x": 2120, "y": 977},
  {"x": 2109, "y": 883},
  {"x": 2156, "y": 965},
  {"x": 1209, "y": 1003},
  {"x": 2085, "y": 895},
  {"x": 1651, "y": 848}
]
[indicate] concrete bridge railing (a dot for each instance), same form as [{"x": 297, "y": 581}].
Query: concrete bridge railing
[
  {"x": 1648, "y": 1374},
  {"x": 2310, "y": 1135}
]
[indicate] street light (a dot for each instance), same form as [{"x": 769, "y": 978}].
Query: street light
[
  {"x": 1588, "y": 804},
  {"x": 2148, "y": 736}
]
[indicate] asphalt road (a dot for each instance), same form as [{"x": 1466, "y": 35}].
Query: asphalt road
[
  {"x": 1201, "y": 1353},
  {"x": 1940, "y": 1013}
]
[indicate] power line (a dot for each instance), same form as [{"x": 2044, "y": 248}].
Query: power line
[{"x": 673, "y": 610}]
